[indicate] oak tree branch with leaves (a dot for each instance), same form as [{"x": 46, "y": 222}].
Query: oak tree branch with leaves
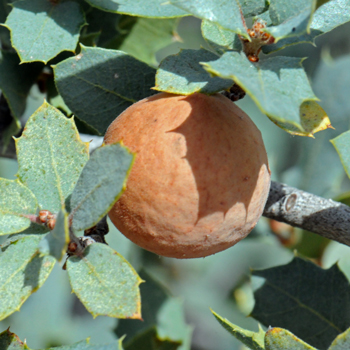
[{"x": 91, "y": 60}]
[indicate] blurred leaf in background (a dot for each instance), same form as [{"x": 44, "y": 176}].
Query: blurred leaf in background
[
  {"x": 163, "y": 319},
  {"x": 302, "y": 291},
  {"x": 318, "y": 169}
]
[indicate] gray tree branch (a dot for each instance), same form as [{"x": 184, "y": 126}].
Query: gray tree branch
[{"x": 301, "y": 209}]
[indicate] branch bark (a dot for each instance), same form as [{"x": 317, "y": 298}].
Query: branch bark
[{"x": 301, "y": 209}]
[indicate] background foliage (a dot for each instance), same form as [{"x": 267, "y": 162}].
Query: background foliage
[{"x": 73, "y": 62}]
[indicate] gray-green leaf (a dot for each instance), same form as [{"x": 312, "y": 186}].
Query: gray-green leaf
[
  {"x": 99, "y": 84},
  {"x": 163, "y": 319},
  {"x": 253, "y": 7},
  {"x": 225, "y": 13},
  {"x": 149, "y": 340},
  {"x": 100, "y": 184},
  {"x": 17, "y": 202},
  {"x": 341, "y": 342},
  {"x": 16, "y": 81},
  {"x": 41, "y": 29},
  {"x": 301, "y": 291},
  {"x": 271, "y": 83},
  {"x": 327, "y": 17},
  {"x": 331, "y": 85},
  {"x": 22, "y": 272},
  {"x": 85, "y": 345},
  {"x": 290, "y": 18},
  {"x": 183, "y": 74},
  {"x": 147, "y": 36},
  {"x": 253, "y": 340},
  {"x": 220, "y": 39},
  {"x": 105, "y": 282},
  {"x": 150, "y": 8},
  {"x": 281, "y": 339},
  {"x": 10, "y": 341},
  {"x": 51, "y": 157}
]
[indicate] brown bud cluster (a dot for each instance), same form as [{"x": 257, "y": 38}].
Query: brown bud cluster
[
  {"x": 47, "y": 218},
  {"x": 258, "y": 38}
]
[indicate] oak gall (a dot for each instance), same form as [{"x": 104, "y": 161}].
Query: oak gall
[{"x": 200, "y": 179}]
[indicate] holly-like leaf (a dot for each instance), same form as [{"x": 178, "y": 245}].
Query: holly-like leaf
[
  {"x": 98, "y": 99},
  {"x": 10, "y": 341},
  {"x": 330, "y": 83},
  {"x": 341, "y": 342},
  {"x": 183, "y": 74},
  {"x": 100, "y": 184},
  {"x": 327, "y": 17},
  {"x": 153, "y": 297},
  {"x": 4, "y": 33},
  {"x": 17, "y": 202},
  {"x": 225, "y": 13},
  {"x": 281, "y": 339},
  {"x": 15, "y": 82},
  {"x": 105, "y": 282},
  {"x": 149, "y": 340},
  {"x": 313, "y": 119},
  {"x": 54, "y": 98},
  {"x": 85, "y": 345},
  {"x": 159, "y": 33},
  {"x": 253, "y": 340},
  {"x": 290, "y": 18},
  {"x": 56, "y": 241},
  {"x": 27, "y": 233},
  {"x": 22, "y": 272},
  {"x": 296, "y": 297},
  {"x": 151, "y": 8},
  {"x": 163, "y": 319},
  {"x": 41, "y": 29},
  {"x": 102, "y": 27},
  {"x": 272, "y": 83},
  {"x": 51, "y": 157},
  {"x": 282, "y": 10},
  {"x": 253, "y": 7},
  {"x": 172, "y": 324},
  {"x": 220, "y": 39}
]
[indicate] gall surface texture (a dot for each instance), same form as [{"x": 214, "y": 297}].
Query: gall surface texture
[{"x": 200, "y": 178}]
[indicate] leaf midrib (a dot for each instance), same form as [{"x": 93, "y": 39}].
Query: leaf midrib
[{"x": 302, "y": 305}]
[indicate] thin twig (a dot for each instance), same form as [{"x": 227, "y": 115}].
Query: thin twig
[{"x": 301, "y": 209}]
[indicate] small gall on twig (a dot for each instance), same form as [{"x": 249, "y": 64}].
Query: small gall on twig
[
  {"x": 258, "y": 39},
  {"x": 76, "y": 247},
  {"x": 95, "y": 234}
]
